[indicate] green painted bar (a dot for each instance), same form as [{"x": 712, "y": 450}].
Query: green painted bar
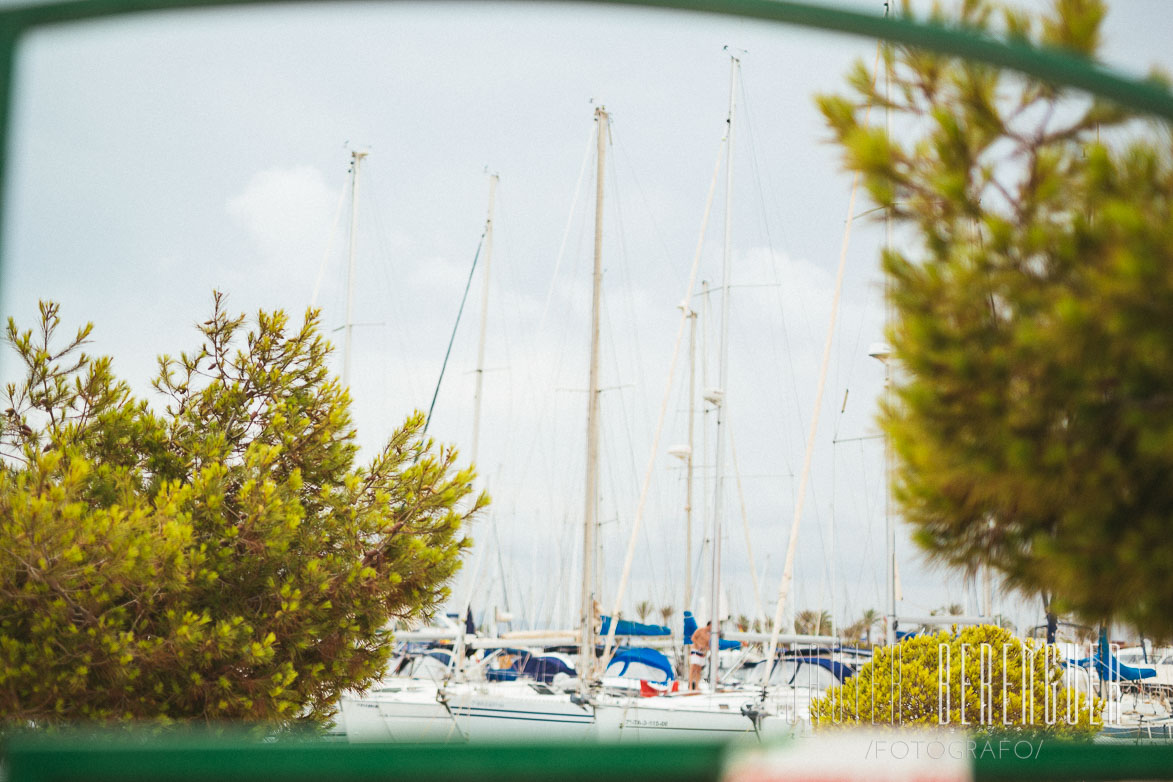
[
  {"x": 1059, "y": 760},
  {"x": 55, "y": 759},
  {"x": 109, "y": 758},
  {"x": 1051, "y": 65}
]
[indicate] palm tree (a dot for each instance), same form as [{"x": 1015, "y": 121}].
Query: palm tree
[
  {"x": 870, "y": 619},
  {"x": 643, "y": 609},
  {"x": 854, "y": 630},
  {"x": 1003, "y": 622},
  {"x": 666, "y": 613},
  {"x": 810, "y": 622},
  {"x": 803, "y": 621},
  {"x": 953, "y": 609}
]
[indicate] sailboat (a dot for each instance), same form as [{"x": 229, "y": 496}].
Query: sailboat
[
  {"x": 469, "y": 707},
  {"x": 586, "y": 708},
  {"x": 716, "y": 711}
]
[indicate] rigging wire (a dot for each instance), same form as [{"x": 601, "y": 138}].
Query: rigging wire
[
  {"x": 757, "y": 177},
  {"x": 666, "y": 258},
  {"x": 865, "y": 559},
  {"x": 625, "y": 417},
  {"x": 508, "y": 327},
  {"x": 382, "y": 245},
  {"x": 639, "y": 513},
  {"x": 455, "y": 326},
  {"x": 707, "y": 322},
  {"x": 329, "y": 248},
  {"x": 789, "y": 353},
  {"x": 787, "y": 571},
  {"x": 589, "y": 156},
  {"x": 639, "y": 363},
  {"x": 337, "y": 300},
  {"x": 760, "y": 611},
  {"x": 560, "y": 353}
]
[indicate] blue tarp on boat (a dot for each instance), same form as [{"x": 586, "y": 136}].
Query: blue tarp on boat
[
  {"x": 625, "y": 627},
  {"x": 840, "y": 670},
  {"x": 625, "y": 658},
  {"x": 1111, "y": 669},
  {"x": 539, "y": 667}
]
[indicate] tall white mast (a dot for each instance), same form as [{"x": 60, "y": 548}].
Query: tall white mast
[
  {"x": 355, "y": 158},
  {"x": 587, "y": 618},
  {"x": 690, "y": 460},
  {"x": 476, "y": 415},
  {"x": 882, "y": 352},
  {"x": 715, "y": 610},
  {"x": 889, "y": 525}
]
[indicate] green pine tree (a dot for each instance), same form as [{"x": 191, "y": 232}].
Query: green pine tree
[
  {"x": 1033, "y": 328},
  {"x": 221, "y": 559}
]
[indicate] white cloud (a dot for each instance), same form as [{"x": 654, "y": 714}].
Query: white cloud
[{"x": 289, "y": 214}]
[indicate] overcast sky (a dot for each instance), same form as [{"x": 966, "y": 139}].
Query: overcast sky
[{"x": 159, "y": 157}]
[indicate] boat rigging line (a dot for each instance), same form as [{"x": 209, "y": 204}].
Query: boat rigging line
[
  {"x": 684, "y": 317},
  {"x": 792, "y": 545},
  {"x": 455, "y": 326}
]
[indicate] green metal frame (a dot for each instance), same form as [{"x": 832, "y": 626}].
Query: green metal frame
[
  {"x": 1053, "y": 66},
  {"x": 47, "y": 758},
  {"x": 1066, "y": 761},
  {"x": 120, "y": 759},
  {"x": 111, "y": 758}
]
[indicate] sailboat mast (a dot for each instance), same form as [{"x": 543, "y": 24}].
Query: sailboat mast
[
  {"x": 476, "y": 415},
  {"x": 587, "y": 618},
  {"x": 723, "y": 372},
  {"x": 889, "y": 524},
  {"x": 355, "y": 159},
  {"x": 690, "y": 462}
]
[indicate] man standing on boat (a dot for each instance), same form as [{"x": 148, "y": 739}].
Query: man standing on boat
[{"x": 696, "y": 656}]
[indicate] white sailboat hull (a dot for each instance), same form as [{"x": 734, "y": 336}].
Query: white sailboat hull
[
  {"x": 515, "y": 710},
  {"x": 478, "y": 712},
  {"x": 411, "y": 714},
  {"x": 660, "y": 719}
]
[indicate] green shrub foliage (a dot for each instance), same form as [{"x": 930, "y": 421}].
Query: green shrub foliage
[
  {"x": 1032, "y": 317},
  {"x": 981, "y": 680},
  {"x": 223, "y": 559}
]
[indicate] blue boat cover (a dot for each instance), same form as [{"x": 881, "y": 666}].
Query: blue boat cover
[
  {"x": 840, "y": 670},
  {"x": 539, "y": 667},
  {"x": 625, "y": 627},
  {"x": 689, "y": 627},
  {"x": 1111, "y": 669},
  {"x": 441, "y": 655},
  {"x": 649, "y": 657}
]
